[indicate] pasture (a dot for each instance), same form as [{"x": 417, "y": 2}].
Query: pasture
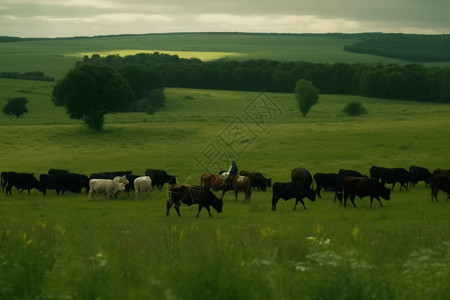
[
  {"x": 55, "y": 56},
  {"x": 66, "y": 247}
]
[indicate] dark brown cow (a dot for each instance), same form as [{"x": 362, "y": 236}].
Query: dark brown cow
[
  {"x": 302, "y": 175},
  {"x": 440, "y": 180},
  {"x": 239, "y": 183},
  {"x": 189, "y": 195},
  {"x": 364, "y": 186}
]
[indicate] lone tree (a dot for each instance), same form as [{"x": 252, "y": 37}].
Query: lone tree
[
  {"x": 16, "y": 106},
  {"x": 90, "y": 91},
  {"x": 307, "y": 95}
]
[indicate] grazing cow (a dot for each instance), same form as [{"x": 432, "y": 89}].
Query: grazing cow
[
  {"x": 375, "y": 172},
  {"x": 440, "y": 180},
  {"x": 289, "y": 190},
  {"x": 77, "y": 182},
  {"x": 24, "y": 181},
  {"x": 4, "y": 180},
  {"x": 419, "y": 174},
  {"x": 364, "y": 186},
  {"x": 329, "y": 181},
  {"x": 58, "y": 182},
  {"x": 142, "y": 185},
  {"x": 258, "y": 180},
  {"x": 57, "y": 172},
  {"x": 302, "y": 175},
  {"x": 394, "y": 175},
  {"x": 189, "y": 195},
  {"x": 108, "y": 186},
  {"x": 109, "y": 175},
  {"x": 130, "y": 186},
  {"x": 345, "y": 173},
  {"x": 160, "y": 177},
  {"x": 239, "y": 183}
]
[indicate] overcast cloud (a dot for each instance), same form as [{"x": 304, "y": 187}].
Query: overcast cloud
[{"x": 59, "y": 18}]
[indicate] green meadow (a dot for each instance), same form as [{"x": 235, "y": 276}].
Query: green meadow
[
  {"x": 66, "y": 247},
  {"x": 55, "y": 56}
]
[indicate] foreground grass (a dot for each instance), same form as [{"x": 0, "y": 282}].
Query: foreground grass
[{"x": 65, "y": 247}]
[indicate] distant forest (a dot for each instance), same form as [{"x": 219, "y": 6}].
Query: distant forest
[
  {"x": 409, "y": 47},
  {"x": 409, "y": 82}
]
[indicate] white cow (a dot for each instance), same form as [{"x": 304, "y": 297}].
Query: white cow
[
  {"x": 108, "y": 186},
  {"x": 142, "y": 184}
]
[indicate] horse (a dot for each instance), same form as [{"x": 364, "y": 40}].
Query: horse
[{"x": 239, "y": 183}]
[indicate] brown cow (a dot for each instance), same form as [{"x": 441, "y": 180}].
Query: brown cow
[
  {"x": 364, "y": 186},
  {"x": 239, "y": 183},
  {"x": 302, "y": 175},
  {"x": 191, "y": 194},
  {"x": 440, "y": 180}
]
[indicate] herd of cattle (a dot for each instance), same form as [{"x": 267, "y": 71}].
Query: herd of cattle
[{"x": 345, "y": 184}]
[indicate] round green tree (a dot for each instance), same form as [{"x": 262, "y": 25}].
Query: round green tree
[
  {"x": 306, "y": 94},
  {"x": 16, "y": 106},
  {"x": 90, "y": 91}
]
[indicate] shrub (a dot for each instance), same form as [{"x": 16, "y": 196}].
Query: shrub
[{"x": 354, "y": 108}]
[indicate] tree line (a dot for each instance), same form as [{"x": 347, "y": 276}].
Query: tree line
[
  {"x": 409, "y": 82},
  {"x": 36, "y": 75},
  {"x": 409, "y": 47}
]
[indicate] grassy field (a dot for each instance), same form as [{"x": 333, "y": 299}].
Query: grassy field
[
  {"x": 54, "y": 57},
  {"x": 65, "y": 247}
]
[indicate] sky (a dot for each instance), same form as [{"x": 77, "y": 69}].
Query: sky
[{"x": 66, "y": 18}]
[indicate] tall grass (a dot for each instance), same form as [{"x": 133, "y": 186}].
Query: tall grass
[{"x": 66, "y": 247}]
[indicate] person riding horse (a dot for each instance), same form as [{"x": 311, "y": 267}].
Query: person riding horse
[{"x": 231, "y": 173}]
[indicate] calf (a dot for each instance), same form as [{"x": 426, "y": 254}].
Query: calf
[
  {"x": 289, "y": 190},
  {"x": 394, "y": 175},
  {"x": 24, "y": 181},
  {"x": 419, "y": 174},
  {"x": 345, "y": 173},
  {"x": 302, "y": 175},
  {"x": 329, "y": 181},
  {"x": 440, "y": 181},
  {"x": 364, "y": 186},
  {"x": 258, "y": 180},
  {"x": 191, "y": 194},
  {"x": 108, "y": 186},
  {"x": 160, "y": 177},
  {"x": 142, "y": 184},
  {"x": 375, "y": 172}
]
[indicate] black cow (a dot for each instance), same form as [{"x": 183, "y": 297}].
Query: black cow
[
  {"x": 191, "y": 194},
  {"x": 440, "y": 180},
  {"x": 76, "y": 182},
  {"x": 376, "y": 172},
  {"x": 24, "y": 181},
  {"x": 364, "y": 186},
  {"x": 57, "y": 172},
  {"x": 394, "y": 175},
  {"x": 329, "y": 181},
  {"x": 345, "y": 173},
  {"x": 3, "y": 179},
  {"x": 160, "y": 177},
  {"x": 258, "y": 180},
  {"x": 130, "y": 185},
  {"x": 109, "y": 175},
  {"x": 289, "y": 190},
  {"x": 419, "y": 174},
  {"x": 58, "y": 182},
  {"x": 302, "y": 175}
]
